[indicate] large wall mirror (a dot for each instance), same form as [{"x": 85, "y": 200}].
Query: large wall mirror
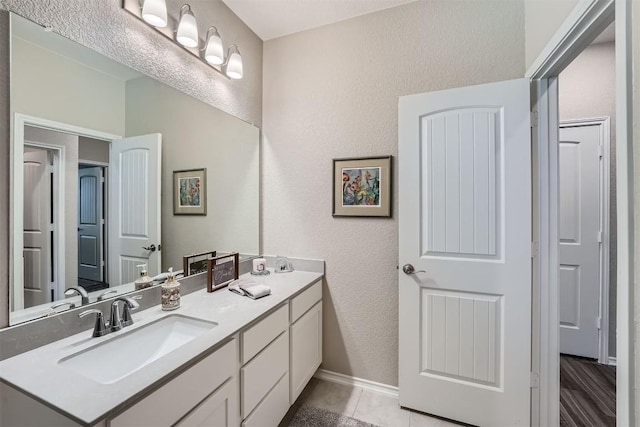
[{"x": 95, "y": 146}]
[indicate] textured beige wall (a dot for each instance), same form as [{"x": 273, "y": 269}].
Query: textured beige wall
[
  {"x": 542, "y": 20},
  {"x": 45, "y": 85},
  {"x": 195, "y": 135},
  {"x": 587, "y": 90},
  {"x": 333, "y": 92}
]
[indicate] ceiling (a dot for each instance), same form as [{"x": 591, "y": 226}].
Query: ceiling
[{"x": 270, "y": 19}]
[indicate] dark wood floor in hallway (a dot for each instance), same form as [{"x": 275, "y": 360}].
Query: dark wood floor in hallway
[{"x": 587, "y": 393}]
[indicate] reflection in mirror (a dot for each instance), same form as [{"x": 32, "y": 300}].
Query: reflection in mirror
[{"x": 95, "y": 145}]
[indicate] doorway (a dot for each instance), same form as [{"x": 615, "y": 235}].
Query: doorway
[
  {"x": 92, "y": 224},
  {"x": 584, "y": 24},
  {"x": 587, "y": 299}
]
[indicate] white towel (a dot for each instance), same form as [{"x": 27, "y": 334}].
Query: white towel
[{"x": 249, "y": 288}]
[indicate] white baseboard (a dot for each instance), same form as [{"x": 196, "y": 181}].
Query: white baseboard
[
  {"x": 373, "y": 386},
  {"x": 613, "y": 361}
]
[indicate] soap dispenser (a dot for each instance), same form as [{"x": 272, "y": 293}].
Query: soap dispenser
[
  {"x": 171, "y": 292},
  {"x": 144, "y": 281}
]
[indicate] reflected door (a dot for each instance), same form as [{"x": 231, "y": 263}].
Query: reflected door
[
  {"x": 134, "y": 206},
  {"x": 579, "y": 239},
  {"x": 90, "y": 221},
  {"x": 38, "y": 213},
  {"x": 465, "y": 231}
]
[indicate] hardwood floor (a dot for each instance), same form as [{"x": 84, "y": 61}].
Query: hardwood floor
[{"x": 587, "y": 393}]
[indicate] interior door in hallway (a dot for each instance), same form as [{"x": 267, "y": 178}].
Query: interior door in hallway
[
  {"x": 90, "y": 222},
  {"x": 580, "y": 235},
  {"x": 465, "y": 253},
  {"x": 37, "y": 219}
]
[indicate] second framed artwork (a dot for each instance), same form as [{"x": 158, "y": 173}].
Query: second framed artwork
[
  {"x": 190, "y": 192},
  {"x": 362, "y": 187}
]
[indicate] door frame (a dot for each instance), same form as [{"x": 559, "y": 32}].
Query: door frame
[
  {"x": 585, "y": 22},
  {"x": 16, "y": 181},
  {"x": 603, "y": 207}
]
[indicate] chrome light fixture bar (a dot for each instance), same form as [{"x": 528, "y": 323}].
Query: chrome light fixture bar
[{"x": 182, "y": 29}]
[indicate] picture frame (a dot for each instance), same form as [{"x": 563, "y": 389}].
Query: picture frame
[
  {"x": 196, "y": 263},
  {"x": 222, "y": 270},
  {"x": 362, "y": 187},
  {"x": 190, "y": 192}
]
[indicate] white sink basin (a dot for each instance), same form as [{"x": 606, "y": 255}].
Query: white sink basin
[{"x": 116, "y": 358}]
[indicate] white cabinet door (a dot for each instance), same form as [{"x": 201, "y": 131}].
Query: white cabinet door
[
  {"x": 306, "y": 349},
  {"x": 465, "y": 230},
  {"x": 219, "y": 410}
]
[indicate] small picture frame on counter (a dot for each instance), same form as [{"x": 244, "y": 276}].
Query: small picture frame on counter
[
  {"x": 222, "y": 270},
  {"x": 196, "y": 263}
]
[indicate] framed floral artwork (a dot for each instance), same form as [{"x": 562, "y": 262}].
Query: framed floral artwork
[
  {"x": 190, "y": 192},
  {"x": 362, "y": 187}
]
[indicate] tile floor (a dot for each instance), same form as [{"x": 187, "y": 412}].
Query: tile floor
[{"x": 375, "y": 408}]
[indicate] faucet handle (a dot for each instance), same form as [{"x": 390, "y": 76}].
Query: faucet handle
[
  {"x": 60, "y": 304},
  {"x": 99, "y": 328},
  {"x": 103, "y": 295},
  {"x": 130, "y": 305}
]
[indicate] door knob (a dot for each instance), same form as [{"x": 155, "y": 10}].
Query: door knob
[
  {"x": 409, "y": 269},
  {"x": 151, "y": 248}
]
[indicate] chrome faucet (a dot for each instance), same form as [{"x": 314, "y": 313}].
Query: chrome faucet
[
  {"x": 80, "y": 291},
  {"x": 118, "y": 322},
  {"x": 99, "y": 328}
]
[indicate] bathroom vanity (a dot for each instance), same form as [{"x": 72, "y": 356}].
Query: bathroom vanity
[{"x": 223, "y": 360}]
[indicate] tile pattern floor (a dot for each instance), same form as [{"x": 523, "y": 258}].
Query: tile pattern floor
[{"x": 375, "y": 408}]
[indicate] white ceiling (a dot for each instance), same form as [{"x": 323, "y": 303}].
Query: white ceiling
[{"x": 270, "y": 19}]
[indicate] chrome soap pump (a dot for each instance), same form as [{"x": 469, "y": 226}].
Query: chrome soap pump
[{"x": 171, "y": 292}]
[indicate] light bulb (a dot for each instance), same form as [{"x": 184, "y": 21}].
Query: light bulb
[
  {"x": 187, "y": 34},
  {"x": 154, "y": 12},
  {"x": 234, "y": 66},
  {"x": 214, "y": 52}
]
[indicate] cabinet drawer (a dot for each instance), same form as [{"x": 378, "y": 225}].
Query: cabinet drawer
[
  {"x": 303, "y": 302},
  {"x": 220, "y": 409},
  {"x": 263, "y": 372},
  {"x": 262, "y": 333},
  {"x": 173, "y": 400},
  {"x": 273, "y": 408},
  {"x": 306, "y": 349}
]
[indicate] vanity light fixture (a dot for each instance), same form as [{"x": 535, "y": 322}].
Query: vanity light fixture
[
  {"x": 182, "y": 29},
  {"x": 154, "y": 12},
  {"x": 214, "y": 52},
  {"x": 187, "y": 34},
  {"x": 233, "y": 67}
]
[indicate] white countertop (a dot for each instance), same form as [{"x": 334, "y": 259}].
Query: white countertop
[{"x": 38, "y": 373}]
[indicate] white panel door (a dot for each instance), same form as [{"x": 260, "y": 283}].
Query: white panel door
[
  {"x": 465, "y": 228},
  {"x": 134, "y": 207},
  {"x": 579, "y": 239},
  {"x": 37, "y": 236},
  {"x": 90, "y": 249}
]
